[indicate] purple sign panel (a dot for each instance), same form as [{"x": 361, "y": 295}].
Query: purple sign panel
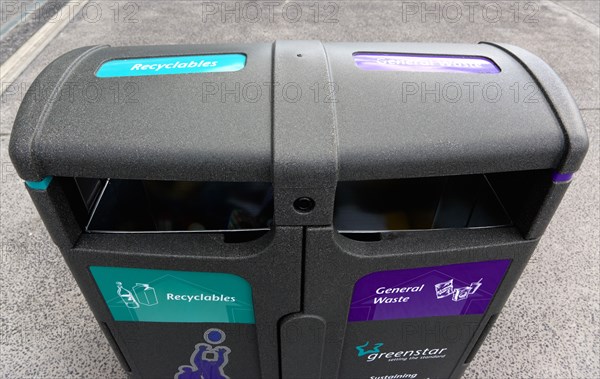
[
  {"x": 452, "y": 290},
  {"x": 425, "y": 63}
]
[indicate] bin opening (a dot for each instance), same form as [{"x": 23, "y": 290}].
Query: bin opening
[
  {"x": 466, "y": 201},
  {"x": 152, "y": 206}
]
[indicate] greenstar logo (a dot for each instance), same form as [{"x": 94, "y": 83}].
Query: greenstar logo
[
  {"x": 373, "y": 353},
  {"x": 362, "y": 349}
]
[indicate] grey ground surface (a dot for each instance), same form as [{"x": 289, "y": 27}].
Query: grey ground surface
[
  {"x": 19, "y": 20},
  {"x": 550, "y": 327}
]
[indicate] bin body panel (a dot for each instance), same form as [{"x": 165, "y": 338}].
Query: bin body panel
[
  {"x": 271, "y": 267},
  {"x": 328, "y": 294}
]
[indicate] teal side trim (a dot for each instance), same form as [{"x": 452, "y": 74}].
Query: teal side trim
[{"x": 42, "y": 185}]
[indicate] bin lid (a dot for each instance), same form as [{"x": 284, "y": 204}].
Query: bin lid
[
  {"x": 411, "y": 109},
  {"x": 81, "y": 119},
  {"x": 399, "y": 110}
]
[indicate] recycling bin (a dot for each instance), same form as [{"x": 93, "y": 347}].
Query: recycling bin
[{"x": 297, "y": 209}]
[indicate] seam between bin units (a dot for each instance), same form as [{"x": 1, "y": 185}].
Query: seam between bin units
[
  {"x": 563, "y": 129},
  {"x": 53, "y": 96}
]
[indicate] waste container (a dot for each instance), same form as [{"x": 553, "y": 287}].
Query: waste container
[{"x": 297, "y": 209}]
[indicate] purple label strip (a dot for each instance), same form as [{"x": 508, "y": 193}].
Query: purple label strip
[
  {"x": 452, "y": 290},
  {"x": 425, "y": 63}
]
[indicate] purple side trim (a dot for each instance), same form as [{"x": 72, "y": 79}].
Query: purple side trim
[{"x": 559, "y": 177}]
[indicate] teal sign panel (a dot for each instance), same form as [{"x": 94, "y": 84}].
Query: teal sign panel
[{"x": 147, "y": 295}]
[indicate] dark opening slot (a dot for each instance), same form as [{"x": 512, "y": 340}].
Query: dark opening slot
[
  {"x": 89, "y": 189},
  {"x": 467, "y": 201},
  {"x": 363, "y": 237},
  {"x": 522, "y": 193},
  {"x": 146, "y": 206},
  {"x": 244, "y": 236}
]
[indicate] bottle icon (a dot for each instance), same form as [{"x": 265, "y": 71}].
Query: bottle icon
[
  {"x": 145, "y": 294},
  {"x": 126, "y": 296},
  {"x": 461, "y": 294}
]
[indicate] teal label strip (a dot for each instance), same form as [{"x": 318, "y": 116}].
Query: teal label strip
[
  {"x": 135, "y": 294},
  {"x": 192, "y": 64}
]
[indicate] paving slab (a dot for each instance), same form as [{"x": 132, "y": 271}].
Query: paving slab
[
  {"x": 549, "y": 327},
  {"x": 589, "y": 10},
  {"x": 19, "y": 20}
]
